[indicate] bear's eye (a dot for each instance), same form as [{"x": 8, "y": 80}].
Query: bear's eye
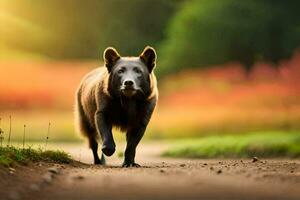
[
  {"x": 137, "y": 70},
  {"x": 120, "y": 71}
]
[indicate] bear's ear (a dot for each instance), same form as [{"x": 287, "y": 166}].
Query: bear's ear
[
  {"x": 110, "y": 57},
  {"x": 148, "y": 56}
]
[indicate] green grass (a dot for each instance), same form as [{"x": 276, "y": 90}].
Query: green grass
[
  {"x": 11, "y": 155},
  {"x": 262, "y": 144}
]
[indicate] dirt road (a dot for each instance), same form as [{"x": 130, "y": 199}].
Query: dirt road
[{"x": 159, "y": 178}]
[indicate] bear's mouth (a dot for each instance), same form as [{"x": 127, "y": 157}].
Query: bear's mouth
[{"x": 128, "y": 92}]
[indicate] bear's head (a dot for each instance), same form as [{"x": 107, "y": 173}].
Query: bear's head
[{"x": 130, "y": 76}]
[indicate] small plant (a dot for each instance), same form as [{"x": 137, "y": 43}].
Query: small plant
[
  {"x": 1, "y": 134},
  {"x": 47, "y": 137},
  {"x": 24, "y": 136},
  {"x": 9, "y": 132}
]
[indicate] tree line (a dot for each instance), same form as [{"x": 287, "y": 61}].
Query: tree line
[{"x": 186, "y": 33}]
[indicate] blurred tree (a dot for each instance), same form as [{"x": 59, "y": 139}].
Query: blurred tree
[
  {"x": 82, "y": 29},
  {"x": 131, "y": 25},
  {"x": 209, "y": 32}
]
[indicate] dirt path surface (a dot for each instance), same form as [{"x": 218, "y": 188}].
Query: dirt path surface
[{"x": 159, "y": 178}]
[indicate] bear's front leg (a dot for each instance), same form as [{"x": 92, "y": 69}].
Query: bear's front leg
[
  {"x": 133, "y": 138},
  {"x": 104, "y": 128}
]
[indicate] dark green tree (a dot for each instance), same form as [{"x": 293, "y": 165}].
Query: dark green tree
[{"x": 209, "y": 32}]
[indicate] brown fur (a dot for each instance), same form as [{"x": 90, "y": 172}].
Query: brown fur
[{"x": 95, "y": 93}]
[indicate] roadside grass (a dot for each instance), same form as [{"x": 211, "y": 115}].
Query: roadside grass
[
  {"x": 10, "y": 156},
  {"x": 260, "y": 144}
]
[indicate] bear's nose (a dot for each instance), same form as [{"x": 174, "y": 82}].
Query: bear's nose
[{"x": 128, "y": 83}]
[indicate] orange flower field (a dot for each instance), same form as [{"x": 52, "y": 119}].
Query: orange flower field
[{"x": 218, "y": 100}]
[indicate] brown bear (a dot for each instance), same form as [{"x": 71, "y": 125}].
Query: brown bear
[{"x": 122, "y": 94}]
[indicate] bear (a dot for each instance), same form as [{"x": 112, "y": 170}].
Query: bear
[{"x": 123, "y": 94}]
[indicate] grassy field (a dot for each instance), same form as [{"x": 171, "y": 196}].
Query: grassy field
[
  {"x": 261, "y": 144},
  {"x": 11, "y": 155}
]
